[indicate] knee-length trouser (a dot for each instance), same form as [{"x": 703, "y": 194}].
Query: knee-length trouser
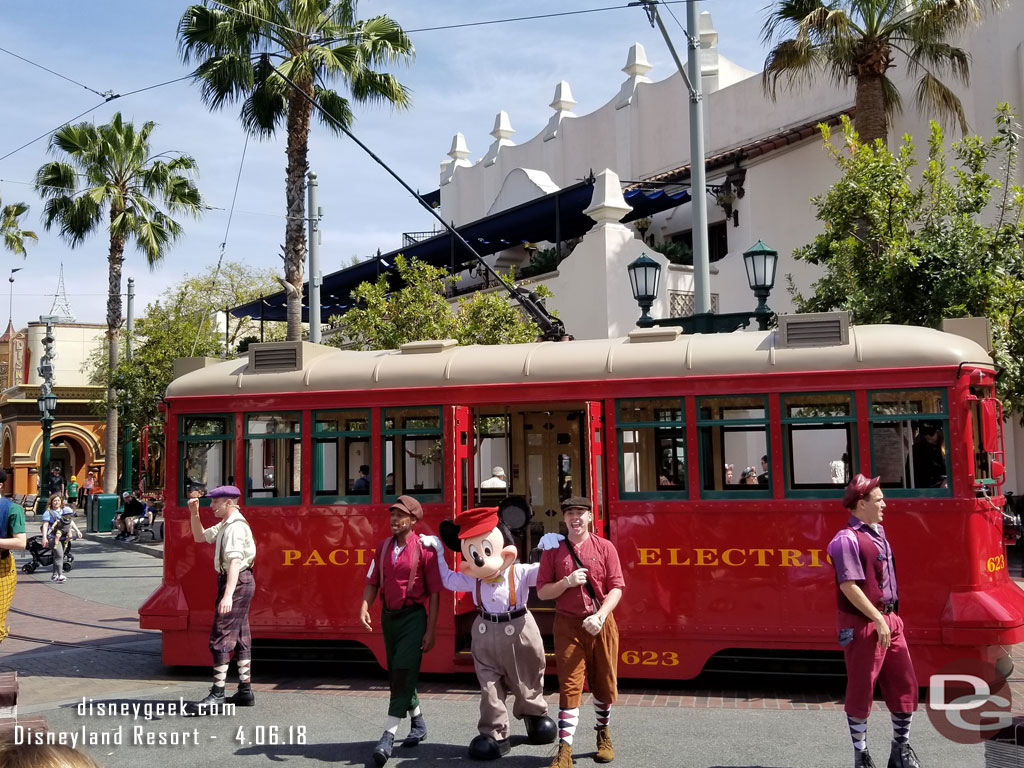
[
  {"x": 580, "y": 655},
  {"x": 230, "y": 631},
  {"x": 403, "y": 639},
  {"x": 509, "y": 658},
  {"x": 868, "y": 663}
]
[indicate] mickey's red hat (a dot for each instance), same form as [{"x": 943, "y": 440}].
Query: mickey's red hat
[{"x": 474, "y": 522}]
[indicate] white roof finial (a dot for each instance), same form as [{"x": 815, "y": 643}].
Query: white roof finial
[
  {"x": 562, "y": 104},
  {"x": 502, "y": 132}
]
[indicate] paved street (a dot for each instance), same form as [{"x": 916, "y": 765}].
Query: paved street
[{"x": 81, "y": 639}]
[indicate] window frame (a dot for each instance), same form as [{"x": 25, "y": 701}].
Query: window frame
[
  {"x": 910, "y": 493},
  {"x": 324, "y": 436},
  {"x": 423, "y": 497},
  {"x": 760, "y": 491},
  {"x": 834, "y": 491},
  {"x": 223, "y": 437},
  {"x": 247, "y": 437},
  {"x": 621, "y": 427}
]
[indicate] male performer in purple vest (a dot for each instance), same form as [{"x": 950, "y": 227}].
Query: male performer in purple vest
[{"x": 870, "y": 630}]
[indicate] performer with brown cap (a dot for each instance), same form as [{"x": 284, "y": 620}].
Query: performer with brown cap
[
  {"x": 233, "y": 557},
  {"x": 405, "y": 573},
  {"x": 584, "y": 578},
  {"x": 870, "y": 630}
]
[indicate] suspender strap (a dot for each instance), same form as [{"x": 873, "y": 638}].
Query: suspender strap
[
  {"x": 586, "y": 585},
  {"x": 414, "y": 567},
  {"x": 223, "y": 538}
]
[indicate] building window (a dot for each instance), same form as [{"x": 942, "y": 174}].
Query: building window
[
  {"x": 206, "y": 452},
  {"x": 652, "y": 446},
  {"x": 734, "y": 445},
  {"x": 343, "y": 467},
  {"x": 273, "y": 458},
  {"x": 819, "y": 433},
  {"x": 718, "y": 241},
  {"x": 413, "y": 451},
  {"x": 909, "y": 440}
]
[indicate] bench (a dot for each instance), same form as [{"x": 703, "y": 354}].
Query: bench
[
  {"x": 151, "y": 526},
  {"x": 29, "y": 502}
]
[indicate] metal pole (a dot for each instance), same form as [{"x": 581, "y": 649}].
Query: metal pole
[
  {"x": 227, "y": 330},
  {"x": 698, "y": 182},
  {"x": 128, "y": 457},
  {"x": 44, "y": 469},
  {"x": 314, "y": 258},
  {"x": 130, "y": 324}
]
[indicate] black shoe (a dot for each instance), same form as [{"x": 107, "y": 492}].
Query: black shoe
[
  {"x": 213, "y": 702},
  {"x": 540, "y": 729},
  {"x": 243, "y": 697},
  {"x": 382, "y": 751},
  {"x": 487, "y": 748},
  {"x": 903, "y": 756},
  {"x": 862, "y": 759},
  {"x": 417, "y": 731}
]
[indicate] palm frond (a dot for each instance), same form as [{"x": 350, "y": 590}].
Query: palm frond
[
  {"x": 794, "y": 61},
  {"x": 941, "y": 58},
  {"x": 379, "y": 88},
  {"x": 784, "y": 17},
  {"x": 935, "y": 98},
  {"x": 336, "y": 106}
]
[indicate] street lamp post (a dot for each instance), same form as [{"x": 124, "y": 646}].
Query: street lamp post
[
  {"x": 47, "y": 403},
  {"x": 760, "y": 262}
]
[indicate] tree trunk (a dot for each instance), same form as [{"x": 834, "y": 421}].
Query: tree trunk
[
  {"x": 299, "y": 111},
  {"x": 873, "y": 60},
  {"x": 115, "y": 261}
]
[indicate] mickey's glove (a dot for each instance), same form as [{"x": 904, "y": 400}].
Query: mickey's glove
[
  {"x": 550, "y": 541},
  {"x": 430, "y": 541},
  {"x": 593, "y": 624}
]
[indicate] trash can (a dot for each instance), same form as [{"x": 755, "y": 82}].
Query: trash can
[{"x": 100, "y": 509}]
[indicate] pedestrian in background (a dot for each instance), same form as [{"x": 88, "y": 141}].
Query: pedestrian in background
[
  {"x": 12, "y": 536},
  {"x": 58, "y": 530},
  {"x": 72, "y": 496}
]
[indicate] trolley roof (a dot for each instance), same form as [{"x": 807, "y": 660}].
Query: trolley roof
[{"x": 640, "y": 356}]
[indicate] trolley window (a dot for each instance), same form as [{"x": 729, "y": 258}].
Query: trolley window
[
  {"x": 492, "y": 452},
  {"x": 909, "y": 441},
  {"x": 273, "y": 459},
  {"x": 652, "y": 447},
  {"x": 986, "y": 435},
  {"x": 342, "y": 460},
  {"x": 413, "y": 452},
  {"x": 819, "y": 433},
  {"x": 206, "y": 452},
  {"x": 734, "y": 451}
]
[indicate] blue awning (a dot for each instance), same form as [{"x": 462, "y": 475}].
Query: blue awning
[{"x": 554, "y": 217}]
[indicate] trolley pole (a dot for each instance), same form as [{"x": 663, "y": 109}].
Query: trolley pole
[{"x": 314, "y": 213}]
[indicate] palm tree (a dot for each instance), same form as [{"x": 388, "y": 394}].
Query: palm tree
[
  {"x": 245, "y": 48},
  {"x": 859, "y": 39},
  {"x": 14, "y": 236},
  {"x": 110, "y": 170}
]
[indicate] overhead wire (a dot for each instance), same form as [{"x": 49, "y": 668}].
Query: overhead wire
[{"x": 104, "y": 94}]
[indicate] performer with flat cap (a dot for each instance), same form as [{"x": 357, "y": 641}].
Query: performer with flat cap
[
  {"x": 870, "y": 630},
  {"x": 584, "y": 578},
  {"x": 233, "y": 557},
  {"x": 406, "y": 575}
]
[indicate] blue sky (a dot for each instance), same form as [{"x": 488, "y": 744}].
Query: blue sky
[{"x": 459, "y": 81}]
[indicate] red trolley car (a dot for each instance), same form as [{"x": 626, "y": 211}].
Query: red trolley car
[{"x": 657, "y": 428}]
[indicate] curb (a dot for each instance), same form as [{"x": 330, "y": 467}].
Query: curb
[{"x": 136, "y": 546}]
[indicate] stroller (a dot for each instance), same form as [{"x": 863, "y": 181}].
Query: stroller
[{"x": 42, "y": 555}]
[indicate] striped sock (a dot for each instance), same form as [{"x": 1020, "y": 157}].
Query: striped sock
[
  {"x": 220, "y": 674},
  {"x": 901, "y": 727},
  {"x": 858, "y": 732},
  {"x": 244, "y": 675},
  {"x": 603, "y": 712},
  {"x": 568, "y": 719}
]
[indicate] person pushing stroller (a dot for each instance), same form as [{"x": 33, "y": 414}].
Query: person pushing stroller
[{"x": 58, "y": 530}]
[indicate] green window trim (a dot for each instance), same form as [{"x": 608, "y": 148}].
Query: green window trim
[
  {"x": 942, "y": 416},
  {"x": 753, "y": 492},
  {"x": 678, "y": 494},
  {"x": 323, "y": 435},
  {"x": 434, "y": 496},
  {"x": 833, "y": 491},
  {"x": 248, "y": 437},
  {"x": 184, "y": 438}
]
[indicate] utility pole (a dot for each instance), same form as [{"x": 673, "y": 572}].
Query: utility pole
[
  {"x": 698, "y": 183},
  {"x": 315, "y": 213}
]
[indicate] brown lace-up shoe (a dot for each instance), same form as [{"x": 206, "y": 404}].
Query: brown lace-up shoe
[
  {"x": 605, "y": 752},
  {"x": 564, "y": 757}
]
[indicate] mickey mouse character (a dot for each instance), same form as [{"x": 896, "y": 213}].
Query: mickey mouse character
[{"x": 508, "y": 653}]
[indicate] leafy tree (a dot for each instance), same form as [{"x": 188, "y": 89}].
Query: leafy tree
[
  {"x": 245, "y": 46},
  {"x": 109, "y": 170},
  {"x": 858, "y": 40},
  {"x": 14, "y": 236},
  {"x": 419, "y": 310},
  {"x": 905, "y": 252}
]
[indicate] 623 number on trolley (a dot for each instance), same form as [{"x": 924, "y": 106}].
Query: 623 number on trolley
[{"x": 650, "y": 658}]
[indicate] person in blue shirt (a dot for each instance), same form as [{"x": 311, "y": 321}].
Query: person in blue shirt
[
  {"x": 362, "y": 483},
  {"x": 58, "y": 529}
]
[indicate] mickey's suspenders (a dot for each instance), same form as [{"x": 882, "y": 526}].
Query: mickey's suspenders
[{"x": 511, "y": 591}]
